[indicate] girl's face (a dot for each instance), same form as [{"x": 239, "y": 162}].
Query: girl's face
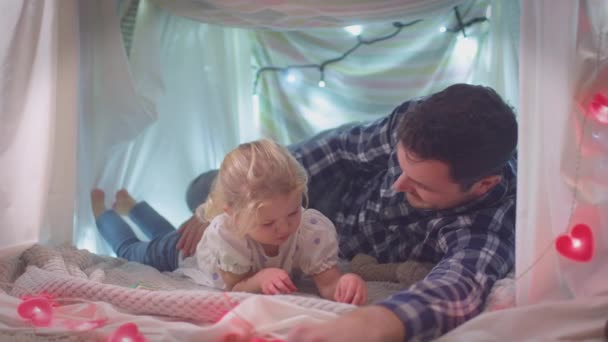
[{"x": 277, "y": 219}]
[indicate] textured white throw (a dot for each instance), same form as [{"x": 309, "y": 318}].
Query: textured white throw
[
  {"x": 70, "y": 273},
  {"x": 67, "y": 272}
]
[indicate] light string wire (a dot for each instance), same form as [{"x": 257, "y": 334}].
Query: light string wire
[
  {"x": 399, "y": 26},
  {"x": 573, "y": 202}
]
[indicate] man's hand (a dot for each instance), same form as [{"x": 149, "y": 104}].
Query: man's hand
[
  {"x": 191, "y": 233},
  {"x": 368, "y": 324},
  {"x": 351, "y": 289}
]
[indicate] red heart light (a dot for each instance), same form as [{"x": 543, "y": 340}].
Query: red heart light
[
  {"x": 578, "y": 245},
  {"x": 127, "y": 332},
  {"x": 37, "y": 309},
  {"x": 599, "y": 108}
]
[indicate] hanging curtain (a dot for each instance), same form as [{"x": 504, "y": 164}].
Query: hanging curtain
[
  {"x": 563, "y": 151},
  {"x": 38, "y": 97},
  {"x": 112, "y": 110},
  {"x": 303, "y": 15},
  {"x": 155, "y": 121}
]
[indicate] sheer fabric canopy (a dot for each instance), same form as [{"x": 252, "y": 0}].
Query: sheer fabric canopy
[{"x": 298, "y": 15}]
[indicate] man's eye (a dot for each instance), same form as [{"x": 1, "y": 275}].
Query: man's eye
[
  {"x": 294, "y": 213},
  {"x": 269, "y": 224}
]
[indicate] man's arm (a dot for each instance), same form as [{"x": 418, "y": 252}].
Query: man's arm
[
  {"x": 367, "y": 324},
  {"x": 451, "y": 294},
  {"x": 456, "y": 289},
  {"x": 191, "y": 233}
]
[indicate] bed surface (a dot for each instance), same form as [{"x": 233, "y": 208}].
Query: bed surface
[{"x": 169, "y": 304}]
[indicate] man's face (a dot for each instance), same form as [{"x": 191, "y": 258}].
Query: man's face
[{"x": 427, "y": 184}]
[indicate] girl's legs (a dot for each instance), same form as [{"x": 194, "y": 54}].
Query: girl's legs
[
  {"x": 160, "y": 253},
  {"x": 142, "y": 214}
]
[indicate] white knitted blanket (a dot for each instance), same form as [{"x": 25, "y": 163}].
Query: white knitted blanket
[
  {"x": 67, "y": 272},
  {"x": 70, "y": 273}
]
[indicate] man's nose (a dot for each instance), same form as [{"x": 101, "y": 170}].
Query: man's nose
[{"x": 403, "y": 184}]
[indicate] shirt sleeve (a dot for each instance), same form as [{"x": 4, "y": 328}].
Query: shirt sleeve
[
  {"x": 317, "y": 243},
  {"x": 455, "y": 290},
  {"x": 227, "y": 248},
  {"x": 361, "y": 148}
]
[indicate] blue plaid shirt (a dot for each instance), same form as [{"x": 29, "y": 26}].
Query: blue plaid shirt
[{"x": 473, "y": 245}]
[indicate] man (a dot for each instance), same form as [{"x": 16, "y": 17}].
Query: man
[{"x": 434, "y": 182}]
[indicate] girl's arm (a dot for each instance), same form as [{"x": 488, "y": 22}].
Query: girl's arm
[
  {"x": 327, "y": 281},
  {"x": 239, "y": 282},
  {"x": 343, "y": 288},
  {"x": 267, "y": 281}
]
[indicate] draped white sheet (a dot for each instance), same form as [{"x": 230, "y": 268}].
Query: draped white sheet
[
  {"x": 563, "y": 63},
  {"x": 294, "y": 14},
  {"x": 151, "y": 127},
  {"x": 38, "y": 96}
]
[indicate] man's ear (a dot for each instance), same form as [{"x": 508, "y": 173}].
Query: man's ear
[{"x": 485, "y": 184}]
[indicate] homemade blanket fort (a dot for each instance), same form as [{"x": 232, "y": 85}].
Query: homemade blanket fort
[{"x": 105, "y": 285}]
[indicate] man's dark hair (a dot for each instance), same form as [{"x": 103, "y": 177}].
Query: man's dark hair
[{"x": 468, "y": 127}]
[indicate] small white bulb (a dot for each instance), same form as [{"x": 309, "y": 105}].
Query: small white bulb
[
  {"x": 355, "y": 30},
  {"x": 291, "y": 78}
]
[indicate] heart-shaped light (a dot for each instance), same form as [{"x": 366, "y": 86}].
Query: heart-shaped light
[
  {"x": 127, "y": 332},
  {"x": 598, "y": 108},
  {"x": 37, "y": 309},
  {"x": 578, "y": 245}
]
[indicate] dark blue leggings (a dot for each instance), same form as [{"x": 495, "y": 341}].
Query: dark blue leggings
[{"x": 160, "y": 252}]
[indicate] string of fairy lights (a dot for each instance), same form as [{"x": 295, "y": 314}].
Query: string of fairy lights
[{"x": 357, "y": 30}]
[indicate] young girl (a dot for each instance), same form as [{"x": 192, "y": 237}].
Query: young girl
[{"x": 259, "y": 235}]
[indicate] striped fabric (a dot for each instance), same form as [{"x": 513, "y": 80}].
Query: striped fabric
[
  {"x": 372, "y": 80},
  {"x": 296, "y": 14}
]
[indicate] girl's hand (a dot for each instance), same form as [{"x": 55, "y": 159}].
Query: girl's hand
[
  {"x": 275, "y": 281},
  {"x": 351, "y": 289}
]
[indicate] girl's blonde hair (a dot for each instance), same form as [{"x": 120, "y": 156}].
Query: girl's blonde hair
[{"x": 250, "y": 174}]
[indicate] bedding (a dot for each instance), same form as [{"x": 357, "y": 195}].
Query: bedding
[
  {"x": 137, "y": 290},
  {"x": 581, "y": 319}
]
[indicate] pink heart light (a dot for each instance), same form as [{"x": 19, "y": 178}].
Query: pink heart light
[
  {"x": 127, "y": 332},
  {"x": 37, "y": 309},
  {"x": 598, "y": 108},
  {"x": 578, "y": 245}
]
